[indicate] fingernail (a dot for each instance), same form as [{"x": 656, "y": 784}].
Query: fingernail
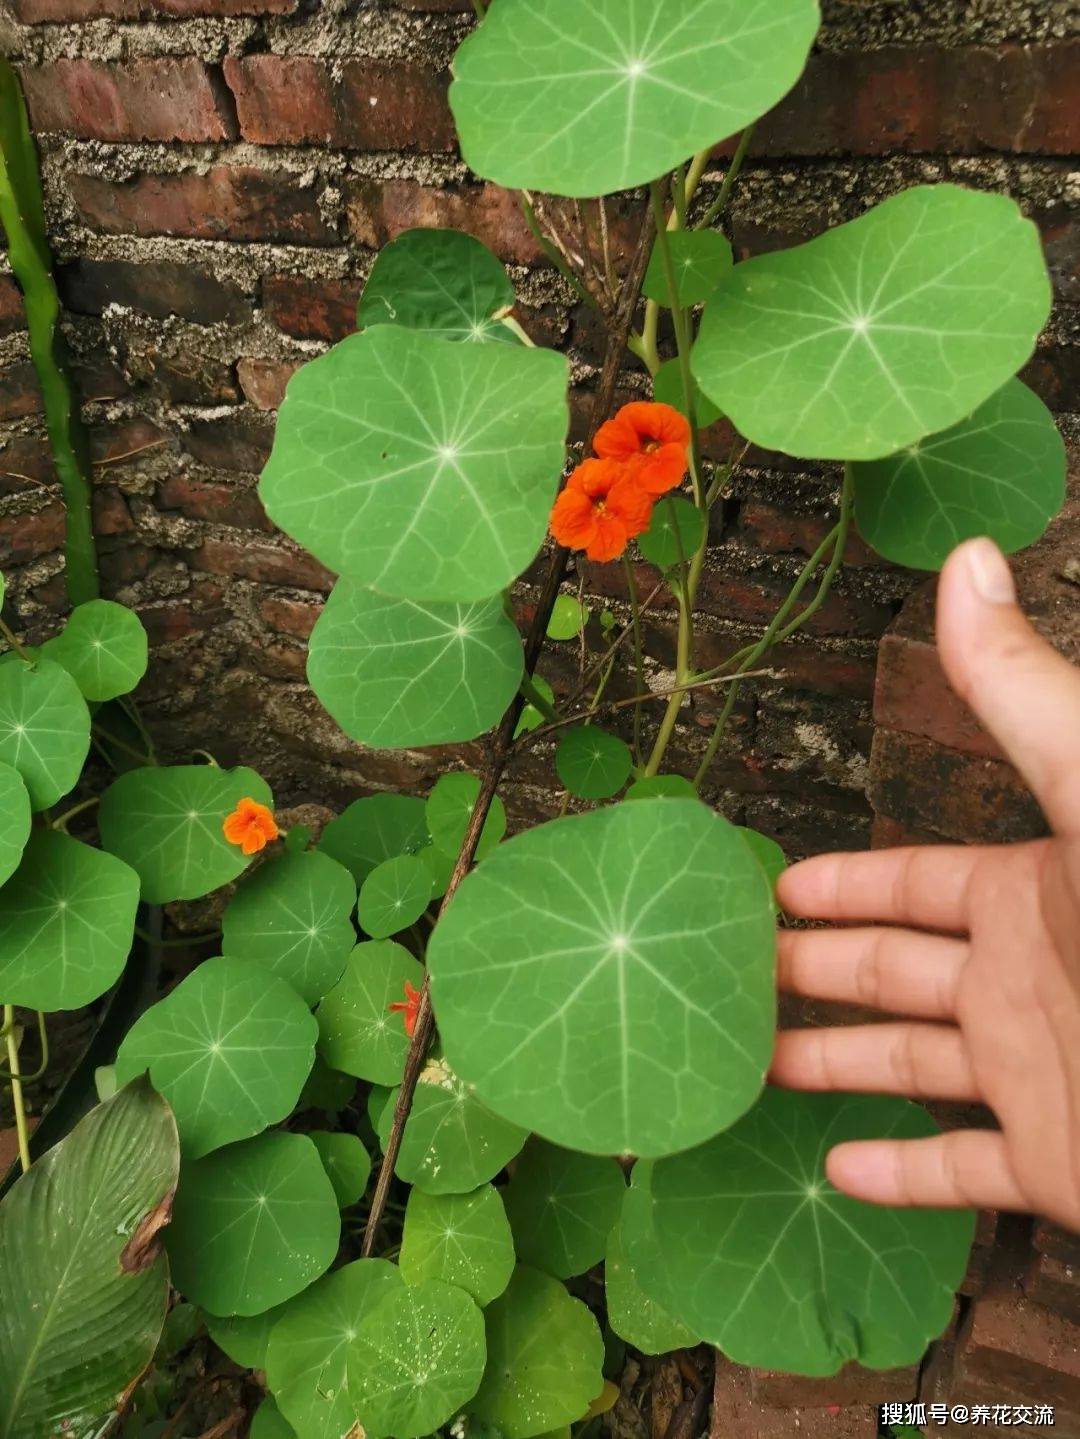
[{"x": 989, "y": 572}]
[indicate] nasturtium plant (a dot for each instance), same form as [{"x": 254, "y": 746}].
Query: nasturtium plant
[
  {"x": 662, "y": 786},
  {"x": 591, "y": 763},
  {"x": 566, "y": 978},
  {"x": 879, "y": 332},
  {"x": 634, "y": 1315},
  {"x": 253, "y": 1224},
  {"x": 229, "y": 1048},
  {"x": 581, "y": 100},
  {"x": 999, "y": 472},
  {"x": 268, "y": 1422},
  {"x": 442, "y": 282},
  {"x": 357, "y": 1032},
  {"x": 103, "y": 647},
  {"x": 701, "y": 260},
  {"x": 676, "y": 532},
  {"x": 167, "y": 824},
  {"x": 450, "y": 808},
  {"x": 568, "y": 618},
  {"x": 807, "y": 1278},
  {"x": 14, "y": 820},
  {"x": 668, "y": 389},
  {"x": 767, "y": 852},
  {"x": 346, "y": 1161},
  {"x": 463, "y": 1239},
  {"x": 370, "y": 830},
  {"x": 394, "y": 439},
  {"x": 418, "y": 1356},
  {"x": 67, "y": 916},
  {"x": 396, "y": 672},
  {"x": 244, "y": 1337},
  {"x": 562, "y": 1207},
  {"x": 44, "y": 728},
  {"x": 394, "y": 896},
  {"x": 293, "y": 917}
]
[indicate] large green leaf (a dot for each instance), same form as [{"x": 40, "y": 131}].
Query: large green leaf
[
  {"x": 464, "y": 1239},
  {"x": 632, "y": 1314},
  {"x": 419, "y": 466},
  {"x": 442, "y": 282},
  {"x": 167, "y": 824},
  {"x": 879, "y": 332},
  {"x": 394, "y": 896},
  {"x": 293, "y": 918},
  {"x": 85, "y": 1286},
  {"x": 103, "y": 648},
  {"x": 14, "y": 820},
  {"x": 357, "y": 1031},
  {"x": 562, "y": 1207},
  {"x": 375, "y": 828},
  {"x": 1000, "y": 472},
  {"x": 544, "y": 1358},
  {"x": 607, "y": 979},
  {"x": 44, "y": 728},
  {"x": 452, "y": 1143},
  {"x": 576, "y": 99},
  {"x": 67, "y": 916},
  {"x": 397, "y": 672},
  {"x": 306, "y": 1355},
  {"x": 746, "y": 1241},
  {"x": 417, "y": 1358},
  {"x": 347, "y": 1164},
  {"x": 230, "y": 1048},
  {"x": 253, "y": 1225}
]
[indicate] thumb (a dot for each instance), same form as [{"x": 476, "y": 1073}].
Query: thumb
[{"x": 1024, "y": 692}]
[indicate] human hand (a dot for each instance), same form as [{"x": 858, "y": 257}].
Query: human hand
[{"x": 977, "y": 947}]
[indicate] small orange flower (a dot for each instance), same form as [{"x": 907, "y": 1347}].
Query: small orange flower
[
  {"x": 600, "y": 510},
  {"x": 251, "y": 825},
  {"x": 652, "y": 440},
  {"x": 409, "y": 1007}
]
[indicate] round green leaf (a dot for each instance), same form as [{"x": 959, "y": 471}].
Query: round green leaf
[
  {"x": 450, "y": 808},
  {"x": 67, "y": 916},
  {"x": 253, "y": 1224},
  {"x": 668, "y": 390},
  {"x": 702, "y": 259},
  {"x": 326, "y": 1089},
  {"x": 658, "y": 786},
  {"x": 244, "y": 1337},
  {"x": 424, "y": 468},
  {"x": 268, "y": 1423},
  {"x": 451, "y": 1142},
  {"x": 393, "y": 896},
  {"x": 1000, "y": 472},
  {"x": 357, "y": 1031},
  {"x": 379, "y": 827},
  {"x": 102, "y": 647},
  {"x": 44, "y": 728},
  {"x": 632, "y": 1314},
  {"x": 166, "y": 822},
  {"x": 78, "y": 1324},
  {"x": 676, "y": 530},
  {"x": 561, "y": 1207},
  {"x": 544, "y": 1358},
  {"x": 574, "y": 99},
  {"x": 767, "y": 852},
  {"x": 14, "y": 820},
  {"x": 879, "y": 332},
  {"x": 440, "y": 863},
  {"x": 607, "y": 979},
  {"x": 229, "y": 1048},
  {"x": 531, "y": 717},
  {"x": 306, "y": 1355},
  {"x": 397, "y": 672},
  {"x": 464, "y": 1239},
  {"x": 568, "y": 618},
  {"x": 442, "y": 282},
  {"x": 591, "y": 763},
  {"x": 745, "y": 1240},
  {"x": 292, "y": 917},
  {"x": 347, "y": 1163},
  {"x": 417, "y": 1358}
]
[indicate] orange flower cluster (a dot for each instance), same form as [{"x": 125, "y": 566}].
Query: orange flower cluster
[
  {"x": 641, "y": 453},
  {"x": 251, "y": 825},
  {"x": 409, "y": 1007}
]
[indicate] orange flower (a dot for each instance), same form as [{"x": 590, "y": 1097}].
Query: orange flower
[
  {"x": 409, "y": 1007},
  {"x": 652, "y": 440},
  {"x": 251, "y": 825},
  {"x": 601, "y": 508}
]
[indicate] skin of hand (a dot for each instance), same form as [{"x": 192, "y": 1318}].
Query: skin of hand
[{"x": 977, "y": 949}]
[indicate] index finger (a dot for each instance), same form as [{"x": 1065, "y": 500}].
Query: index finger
[{"x": 925, "y": 886}]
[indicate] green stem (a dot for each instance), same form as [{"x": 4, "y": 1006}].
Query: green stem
[
  {"x": 16, "y": 1087},
  {"x": 61, "y": 821},
  {"x": 553, "y": 255},
  {"x": 717, "y": 206},
  {"x": 184, "y": 939},
  {"x": 644, "y": 345},
  {"x": 131, "y": 709},
  {"x": 478, "y": 6},
  {"x": 15, "y": 643},
  {"x": 639, "y": 652},
  {"x": 122, "y": 745},
  {"x": 682, "y": 336},
  {"x": 513, "y": 326},
  {"x": 537, "y": 700}
]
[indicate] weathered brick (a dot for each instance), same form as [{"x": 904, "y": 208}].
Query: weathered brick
[
  {"x": 124, "y": 443},
  {"x": 12, "y": 311},
  {"x": 1053, "y": 373},
  {"x": 247, "y": 559},
  {"x": 1054, "y": 1284},
  {"x": 36, "y": 12},
  {"x": 1021, "y": 1351},
  {"x": 289, "y": 617},
  {"x": 158, "y": 99},
  {"x": 1050, "y": 1238},
  {"x": 240, "y": 443},
  {"x": 184, "y": 377},
  {"x": 111, "y": 513},
  {"x": 159, "y": 288},
  {"x": 27, "y": 537},
  {"x": 377, "y": 212},
  {"x": 263, "y": 381},
  {"x": 281, "y": 661},
  {"x": 20, "y": 394},
  {"x": 784, "y": 531},
  {"x": 311, "y": 309},
  {"x": 852, "y": 1385},
  {"x": 219, "y": 504},
  {"x": 366, "y": 105},
  {"x": 736, "y": 1412},
  {"x": 228, "y": 202}
]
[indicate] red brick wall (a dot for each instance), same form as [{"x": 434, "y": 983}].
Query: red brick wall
[{"x": 218, "y": 176}]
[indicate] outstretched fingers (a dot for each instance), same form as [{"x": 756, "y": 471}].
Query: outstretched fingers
[
  {"x": 900, "y": 971},
  {"x": 924, "y": 887},
  {"x": 965, "y": 1168},
  {"x": 924, "y": 1061}
]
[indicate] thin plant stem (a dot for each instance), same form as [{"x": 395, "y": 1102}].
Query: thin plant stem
[
  {"x": 43, "y": 1042},
  {"x": 21, "y": 1128},
  {"x": 523, "y": 335},
  {"x": 122, "y": 745},
  {"x": 537, "y": 700},
  {"x": 61, "y": 821},
  {"x": 717, "y": 206},
  {"x": 183, "y": 940},
  {"x": 15, "y": 643},
  {"x": 682, "y": 337},
  {"x": 552, "y": 253},
  {"x": 646, "y": 697},
  {"x": 131, "y": 709},
  {"x": 639, "y": 652}
]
